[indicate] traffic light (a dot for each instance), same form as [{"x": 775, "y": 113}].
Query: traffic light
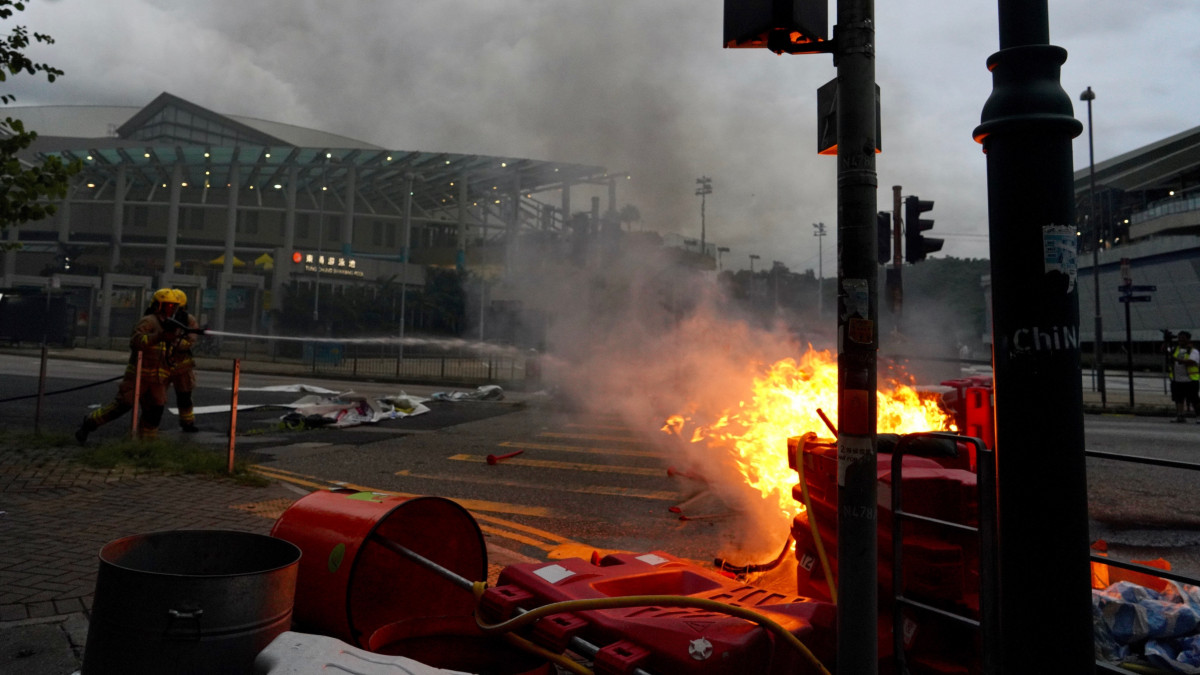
[
  {"x": 917, "y": 245},
  {"x": 883, "y": 222}
]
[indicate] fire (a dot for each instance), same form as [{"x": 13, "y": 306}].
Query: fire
[{"x": 784, "y": 403}]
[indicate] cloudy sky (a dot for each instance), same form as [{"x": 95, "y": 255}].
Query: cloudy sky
[{"x": 638, "y": 86}]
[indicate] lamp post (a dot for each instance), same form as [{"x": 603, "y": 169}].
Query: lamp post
[
  {"x": 1098, "y": 341},
  {"x": 705, "y": 188},
  {"x": 720, "y": 250},
  {"x": 819, "y": 233},
  {"x": 320, "y": 237},
  {"x": 408, "y": 197},
  {"x": 753, "y": 257}
]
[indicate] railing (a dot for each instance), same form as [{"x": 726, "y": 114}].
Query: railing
[
  {"x": 988, "y": 621},
  {"x": 1165, "y": 208},
  {"x": 467, "y": 365}
]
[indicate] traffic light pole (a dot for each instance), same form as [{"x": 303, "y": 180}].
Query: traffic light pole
[
  {"x": 897, "y": 258},
  {"x": 858, "y": 338},
  {"x": 1026, "y": 129}
]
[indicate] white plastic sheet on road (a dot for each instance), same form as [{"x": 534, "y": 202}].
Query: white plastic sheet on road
[
  {"x": 350, "y": 409},
  {"x": 326, "y": 407}
]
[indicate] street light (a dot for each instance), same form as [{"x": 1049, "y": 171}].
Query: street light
[
  {"x": 705, "y": 188},
  {"x": 720, "y": 250},
  {"x": 1098, "y": 341},
  {"x": 819, "y": 233},
  {"x": 320, "y": 237},
  {"x": 753, "y": 257}
]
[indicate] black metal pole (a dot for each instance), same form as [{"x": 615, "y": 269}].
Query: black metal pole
[
  {"x": 858, "y": 338},
  {"x": 1129, "y": 349},
  {"x": 1094, "y": 235},
  {"x": 1026, "y": 129}
]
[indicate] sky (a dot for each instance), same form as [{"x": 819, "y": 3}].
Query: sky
[{"x": 640, "y": 87}]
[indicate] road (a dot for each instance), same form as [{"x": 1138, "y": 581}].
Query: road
[{"x": 585, "y": 482}]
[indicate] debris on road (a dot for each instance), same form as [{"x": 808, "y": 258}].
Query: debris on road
[{"x": 486, "y": 392}]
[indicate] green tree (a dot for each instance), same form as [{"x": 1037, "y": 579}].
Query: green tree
[{"x": 25, "y": 187}]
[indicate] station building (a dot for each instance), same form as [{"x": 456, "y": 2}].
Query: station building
[{"x": 233, "y": 210}]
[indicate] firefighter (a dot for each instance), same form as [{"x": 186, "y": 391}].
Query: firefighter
[
  {"x": 1185, "y": 376},
  {"x": 152, "y": 337},
  {"x": 183, "y": 366}
]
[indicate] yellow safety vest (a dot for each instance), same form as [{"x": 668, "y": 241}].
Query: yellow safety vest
[{"x": 1193, "y": 370}]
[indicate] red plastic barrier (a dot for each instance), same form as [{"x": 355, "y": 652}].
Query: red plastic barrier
[
  {"x": 663, "y": 639},
  {"x": 972, "y": 405},
  {"x": 938, "y": 569}
]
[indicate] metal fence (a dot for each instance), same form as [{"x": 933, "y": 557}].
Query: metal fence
[{"x": 460, "y": 366}]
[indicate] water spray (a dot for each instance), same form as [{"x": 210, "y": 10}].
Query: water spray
[{"x": 442, "y": 343}]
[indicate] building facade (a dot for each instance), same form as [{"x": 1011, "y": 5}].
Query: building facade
[{"x": 235, "y": 210}]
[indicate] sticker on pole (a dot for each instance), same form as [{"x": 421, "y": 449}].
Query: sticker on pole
[
  {"x": 1059, "y": 246},
  {"x": 854, "y": 451}
]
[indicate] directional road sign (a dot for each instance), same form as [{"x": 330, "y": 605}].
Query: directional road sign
[
  {"x": 1137, "y": 289},
  {"x": 1134, "y": 298}
]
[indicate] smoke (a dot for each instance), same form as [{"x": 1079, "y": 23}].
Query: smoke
[{"x": 636, "y": 335}]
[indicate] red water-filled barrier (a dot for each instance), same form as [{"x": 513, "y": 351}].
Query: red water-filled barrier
[
  {"x": 664, "y": 639},
  {"x": 941, "y": 567}
]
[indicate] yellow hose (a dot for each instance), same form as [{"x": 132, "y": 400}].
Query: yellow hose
[
  {"x": 655, "y": 601},
  {"x": 812, "y": 521}
]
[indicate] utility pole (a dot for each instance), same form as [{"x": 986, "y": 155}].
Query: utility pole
[
  {"x": 858, "y": 339},
  {"x": 705, "y": 189},
  {"x": 895, "y": 278},
  {"x": 819, "y": 233},
  {"x": 1026, "y": 129},
  {"x": 802, "y": 31},
  {"x": 1093, "y": 233}
]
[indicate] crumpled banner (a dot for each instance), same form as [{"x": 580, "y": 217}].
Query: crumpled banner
[
  {"x": 487, "y": 392},
  {"x": 350, "y": 409},
  {"x": 1163, "y": 627}
]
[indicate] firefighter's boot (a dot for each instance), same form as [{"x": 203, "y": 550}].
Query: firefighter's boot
[{"x": 87, "y": 426}]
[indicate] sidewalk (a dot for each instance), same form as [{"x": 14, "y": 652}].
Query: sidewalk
[{"x": 56, "y": 515}]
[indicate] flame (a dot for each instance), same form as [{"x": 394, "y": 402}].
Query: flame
[{"x": 784, "y": 403}]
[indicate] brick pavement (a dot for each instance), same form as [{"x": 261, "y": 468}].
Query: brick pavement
[{"x": 57, "y": 515}]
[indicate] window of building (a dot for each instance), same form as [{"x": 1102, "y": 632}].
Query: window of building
[
  {"x": 139, "y": 216},
  {"x": 248, "y": 222}
]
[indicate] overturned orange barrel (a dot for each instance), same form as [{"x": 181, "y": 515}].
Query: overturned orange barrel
[{"x": 349, "y": 585}]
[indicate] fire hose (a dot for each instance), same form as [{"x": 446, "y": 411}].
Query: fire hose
[
  {"x": 751, "y": 568},
  {"x": 63, "y": 391},
  {"x": 580, "y": 645}
]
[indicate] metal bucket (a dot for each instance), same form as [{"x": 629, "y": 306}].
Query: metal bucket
[
  {"x": 350, "y": 586},
  {"x": 189, "y": 601}
]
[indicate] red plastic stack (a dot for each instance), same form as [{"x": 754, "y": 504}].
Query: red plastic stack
[
  {"x": 663, "y": 639},
  {"x": 940, "y": 569}
]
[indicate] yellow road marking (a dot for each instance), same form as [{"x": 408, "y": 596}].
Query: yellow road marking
[
  {"x": 592, "y": 437},
  {"x": 610, "y": 427},
  {"x": 288, "y": 478},
  {"x": 578, "y": 550},
  {"x": 476, "y": 507},
  {"x": 529, "y": 541},
  {"x": 549, "y": 536},
  {"x": 469, "y": 504},
  {"x": 579, "y": 448},
  {"x": 573, "y": 466},
  {"x": 591, "y": 490}
]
